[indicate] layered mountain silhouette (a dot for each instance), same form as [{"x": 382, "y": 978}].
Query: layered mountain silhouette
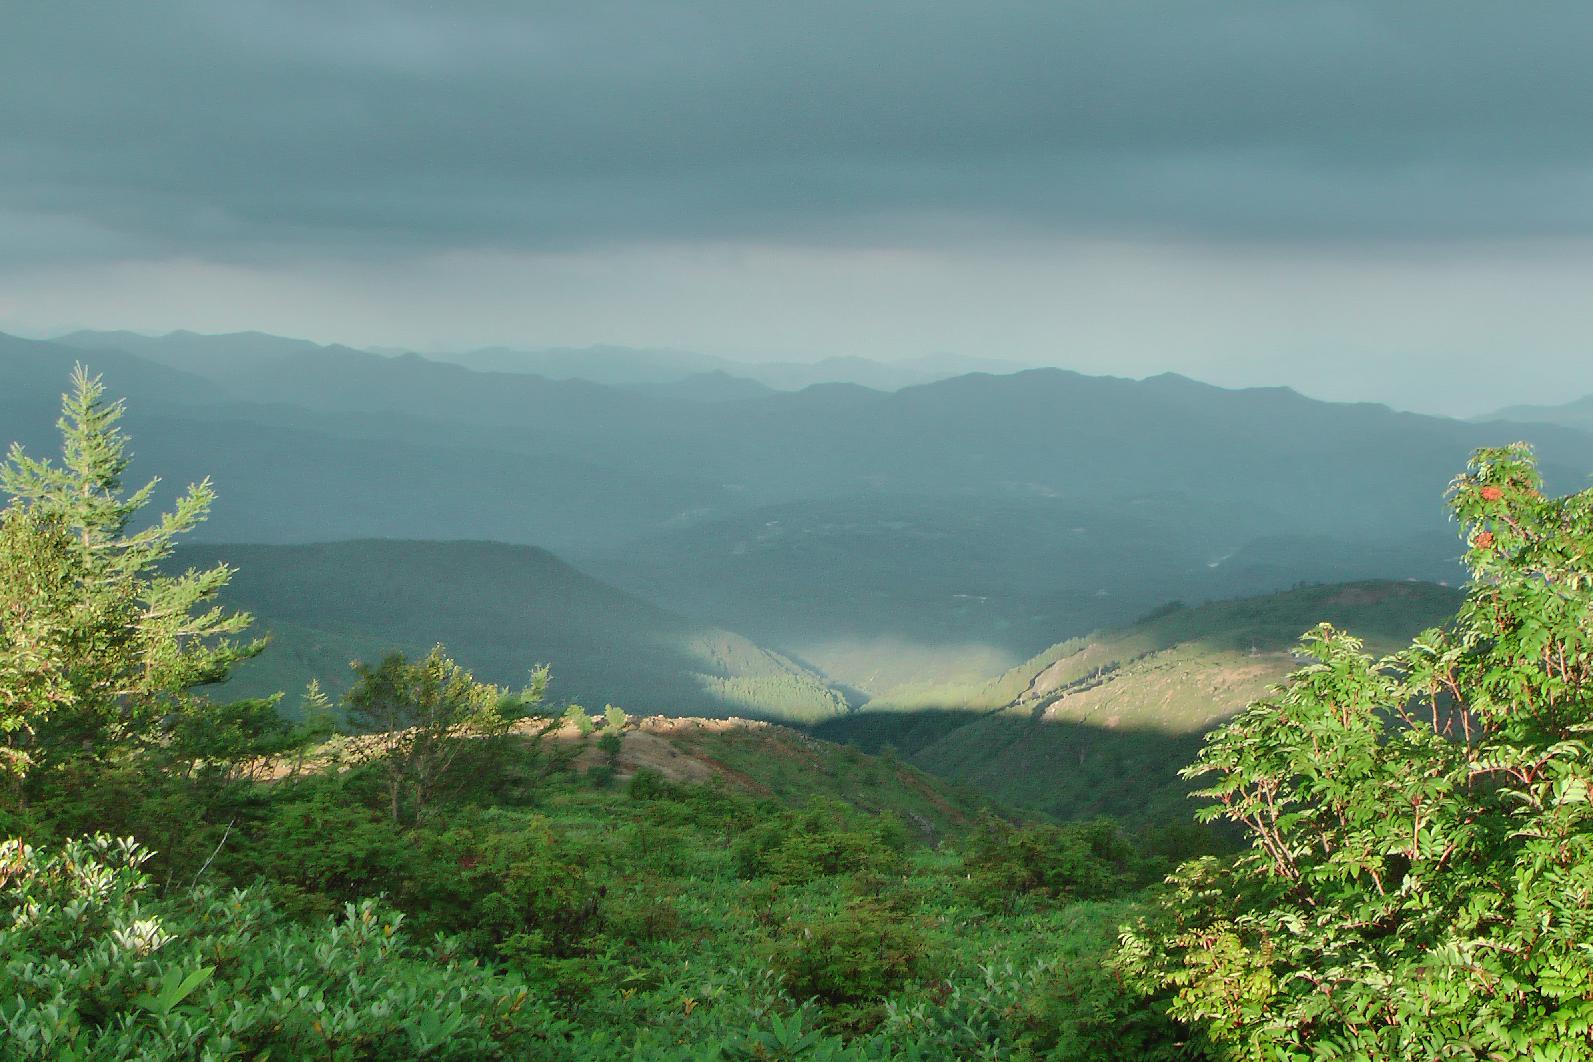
[
  {"x": 651, "y": 369},
  {"x": 1575, "y": 414},
  {"x": 885, "y": 536}
]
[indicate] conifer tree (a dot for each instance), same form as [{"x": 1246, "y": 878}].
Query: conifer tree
[
  {"x": 59, "y": 648},
  {"x": 98, "y": 645}
]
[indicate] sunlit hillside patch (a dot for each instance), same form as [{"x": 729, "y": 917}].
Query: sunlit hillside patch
[{"x": 1101, "y": 724}]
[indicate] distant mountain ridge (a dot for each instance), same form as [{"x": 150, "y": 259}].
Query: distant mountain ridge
[
  {"x": 33, "y": 368},
  {"x": 196, "y": 352},
  {"x": 614, "y": 366},
  {"x": 1577, "y": 413},
  {"x": 629, "y": 366}
]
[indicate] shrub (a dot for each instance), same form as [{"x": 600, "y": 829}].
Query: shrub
[
  {"x": 96, "y": 969},
  {"x": 1050, "y": 997},
  {"x": 648, "y": 784},
  {"x": 826, "y": 837},
  {"x": 1077, "y": 861},
  {"x": 516, "y": 892},
  {"x": 321, "y": 846},
  {"x": 859, "y": 953},
  {"x": 576, "y": 716},
  {"x": 641, "y": 914}
]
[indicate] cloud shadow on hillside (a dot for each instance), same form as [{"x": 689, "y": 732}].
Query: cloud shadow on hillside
[{"x": 1065, "y": 770}]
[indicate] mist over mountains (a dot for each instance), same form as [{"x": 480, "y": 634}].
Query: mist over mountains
[{"x": 882, "y": 536}]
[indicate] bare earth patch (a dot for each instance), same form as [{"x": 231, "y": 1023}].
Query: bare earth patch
[{"x": 659, "y": 743}]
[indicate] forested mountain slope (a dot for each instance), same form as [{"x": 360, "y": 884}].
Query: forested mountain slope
[
  {"x": 502, "y": 610},
  {"x": 895, "y": 595}
]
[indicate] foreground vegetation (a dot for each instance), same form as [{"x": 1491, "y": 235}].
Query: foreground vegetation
[
  {"x": 480, "y": 874},
  {"x": 564, "y": 921}
]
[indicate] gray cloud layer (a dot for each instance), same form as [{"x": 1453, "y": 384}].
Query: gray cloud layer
[{"x": 263, "y": 131}]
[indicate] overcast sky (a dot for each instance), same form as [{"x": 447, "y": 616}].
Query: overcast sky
[{"x": 1390, "y": 201}]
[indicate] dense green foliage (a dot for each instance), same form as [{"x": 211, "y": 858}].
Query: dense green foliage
[
  {"x": 1008, "y": 867},
  {"x": 1419, "y": 876},
  {"x": 634, "y": 922},
  {"x": 654, "y": 920},
  {"x": 96, "y": 967}
]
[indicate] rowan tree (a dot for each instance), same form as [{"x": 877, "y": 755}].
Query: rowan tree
[{"x": 1419, "y": 877}]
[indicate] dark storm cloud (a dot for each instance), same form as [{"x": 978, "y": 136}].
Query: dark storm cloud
[{"x": 237, "y": 129}]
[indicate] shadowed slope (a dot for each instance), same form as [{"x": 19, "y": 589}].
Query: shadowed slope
[{"x": 501, "y": 610}]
